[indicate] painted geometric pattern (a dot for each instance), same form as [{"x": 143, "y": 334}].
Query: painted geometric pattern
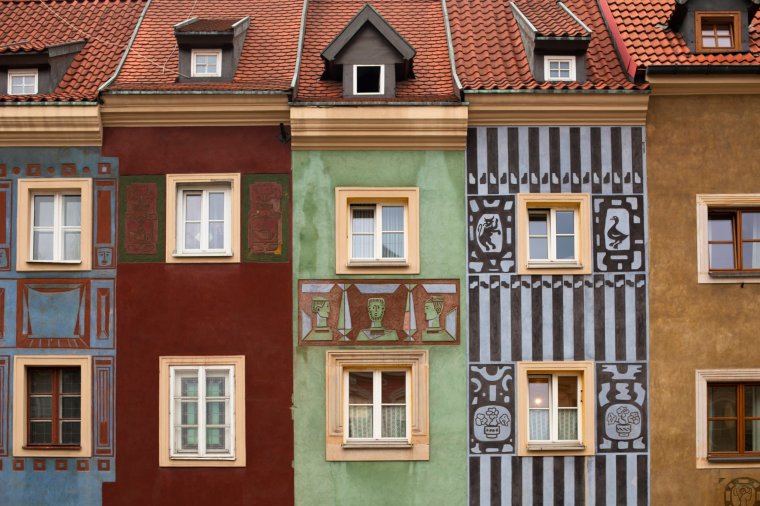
[
  {"x": 142, "y": 211},
  {"x": 266, "y": 212},
  {"x": 333, "y": 312}
]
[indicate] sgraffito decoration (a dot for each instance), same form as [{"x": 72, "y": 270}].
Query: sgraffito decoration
[
  {"x": 742, "y": 492},
  {"x": 103, "y": 380},
  {"x": 5, "y": 365},
  {"x": 339, "y": 312},
  {"x": 53, "y": 313},
  {"x": 618, "y": 233},
  {"x": 5, "y": 225},
  {"x": 491, "y": 225},
  {"x": 142, "y": 205},
  {"x": 621, "y": 424},
  {"x": 103, "y": 226},
  {"x": 492, "y": 401},
  {"x": 266, "y": 208}
]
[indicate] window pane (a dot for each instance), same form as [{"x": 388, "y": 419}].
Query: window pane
[
  {"x": 215, "y": 412},
  {"x": 192, "y": 236},
  {"x": 215, "y": 438},
  {"x": 42, "y": 245},
  {"x": 363, "y": 221},
  {"x": 539, "y": 424},
  {"x": 567, "y": 392},
  {"x": 189, "y": 438},
  {"x": 189, "y": 413},
  {"x": 750, "y": 225},
  {"x": 72, "y": 211},
  {"x": 363, "y": 246},
  {"x": 720, "y": 229},
  {"x": 393, "y": 219},
  {"x": 216, "y": 235},
  {"x": 567, "y": 424},
  {"x": 360, "y": 388},
  {"x": 394, "y": 421},
  {"x": 752, "y": 401},
  {"x": 189, "y": 387},
  {"x": 71, "y": 245},
  {"x": 71, "y": 381},
  {"x": 216, "y": 386},
  {"x": 368, "y": 79},
  {"x": 360, "y": 421},
  {"x": 721, "y": 401},
  {"x": 722, "y": 256},
  {"x": 41, "y": 407},
  {"x": 394, "y": 387},
  {"x": 721, "y": 436},
  {"x": 538, "y": 392},
  {"x": 751, "y": 255},
  {"x": 393, "y": 245},
  {"x": 70, "y": 432},
  {"x": 70, "y": 407},
  {"x": 565, "y": 222},
  {"x": 43, "y": 210},
  {"x": 539, "y": 248},
  {"x": 216, "y": 206},
  {"x": 41, "y": 381},
  {"x": 537, "y": 224},
  {"x": 41, "y": 432},
  {"x": 193, "y": 206},
  {"x": 565, "y": 248},
  {"x": 752, "y": 436}
]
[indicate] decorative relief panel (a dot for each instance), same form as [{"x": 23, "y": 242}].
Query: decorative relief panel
[
  {"x": 5, "y": 365},
  {"x": 622, "y": 408},
  {"x": 6, "y": 192},
  {"x": 102, "y": 310},
  {"x": 104, "y": 227},
  {"x": 339, "y": 312},
  {"x": 490, "y": 234},
  {"x": 103, "y": 385},
  {"x": 492, "y": 404},
  {"x": 53, "y": 313},
  {"x": 742, "y": 492},
  {"x": 266, "y": 208},
  {"x": 142, "y": 208},
  {"x": 618, "y": 233}
]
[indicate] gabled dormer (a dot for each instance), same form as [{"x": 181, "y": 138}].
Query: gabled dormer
[
  {"x": 31, "y": 69},
  {"x": 554, "y": 38},
  {"x": 714, "y": 26},
  {"x": 369, "y": 57},
  {"x": 209, "y": 49}
]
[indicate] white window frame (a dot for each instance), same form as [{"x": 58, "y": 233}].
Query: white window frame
[
  {"x": 202, "y": 450},
  {"x": 378, "y": 233},
  {"x": 554, "y": 409},
  {"x": 204, "y": 223},
  {"x": 206, "y": 52},
  {"x": 382, "y": 81},
  {"x": 560, "y": 59},
  {"x": 377, "y": 407},
  {"x": 551, "y": 213},
  {"x": 58, "y": 228},
  {"x": 23, "y": 73}
]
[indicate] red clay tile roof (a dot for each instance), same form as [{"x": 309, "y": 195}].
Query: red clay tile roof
[
  {"x": 550, "y": 19},
  {"x": 490, "y": 54},
  {"x": 267, "y": 62},
  {"x": 420, "y": 22},
  {"x": 106, "y": 25},
  {"x": 642, "y": 26},
  {"x": 209, "y": 25}
]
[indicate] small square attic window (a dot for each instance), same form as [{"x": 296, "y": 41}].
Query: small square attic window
[
  {"x": 207, "y": 63},
  {"x": 559, "y": 68},
  {"x": 369, "y": 79},
  {"x": 718, "y": 32},
  {"x": 22, "y": 81}
]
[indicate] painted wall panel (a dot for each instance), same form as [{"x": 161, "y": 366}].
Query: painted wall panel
[{"x": 266, "y": 218}]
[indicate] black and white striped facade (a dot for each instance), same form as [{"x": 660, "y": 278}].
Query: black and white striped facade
[{"x": 600, "y": 317}]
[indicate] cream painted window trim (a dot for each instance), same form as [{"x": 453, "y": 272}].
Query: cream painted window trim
[
  {"x": 717, "y": 201},
  {"x": 20, "y": 363},
  {"x": 345, "y": 197},
  {"x": 174, "y": 182},
  {"x": 703, "y": 376},
  {"x": 27, "y": 187},
  {"x": 206, "y": 52},
  {"x": 237, "y": 362},
  {"x": 414, "y": 361},
  {"x": 581, "y": 203},
  {"x": 548, "y": 59},
  {"x": 585, "y": 370}
]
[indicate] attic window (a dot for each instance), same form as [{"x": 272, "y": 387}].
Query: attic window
[
  {"x": 22, "y": 82},
  {"x": 207, "y": 63},
  {"x": 718, "y": 32},
  {"x": 559, "y": 68},
  {"x": 368, "y": 79}
]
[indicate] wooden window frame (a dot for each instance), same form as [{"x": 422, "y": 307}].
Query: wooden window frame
[
  {"x": 740, "y": 420},
  {"x": 730, "y": 18},
  {"x": 737, "y": 240},
  {"x": 182, "y": 191},
  {"x": 377, "y": 404},
  {"x": 372, "y": 93},
  {"x": 56, "y": 417},
  {"x": 58, "y": 228},
  {"x": 554, "y": 408}
]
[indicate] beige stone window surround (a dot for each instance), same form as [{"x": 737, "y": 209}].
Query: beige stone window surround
[
  {"x": 176, "y": 183},
  {"x": 237, "y": 363},
  {"x": 580, "y": 204},
  {"x": 27, "y": 188},
  {"x": 585, "y": 372},
  {"x": 338, "y": 363},
  {"x": 345, "y": 197},
  {"x": 20, "y": 385}
]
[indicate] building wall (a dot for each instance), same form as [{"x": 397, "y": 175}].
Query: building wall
[
  {"x": 599, "y": 317},
  {"x": 210, "y": 309},
  {"x": 439, "y": 176},
  {"x": 58, "y": 298},
  {"x": 696, "y": 145}
]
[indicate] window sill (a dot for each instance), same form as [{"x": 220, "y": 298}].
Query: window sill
[
  {"x": 735, "y": 274},
  {"x": 53, "y": 447},
  {"x": 64, "y": 262},
  {"x": 224, "y": 254},
  {"x": 376, "y": 445},
  {"x": 553, "y": 447},
  {"x": 737, "y": 459},
  {"x": 554, "y": 265},
  {"x": 198, "y": 457},
  {"x": 378, "y": 263}
]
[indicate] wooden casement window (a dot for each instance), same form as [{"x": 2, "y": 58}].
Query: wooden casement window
[
  {"x": 554, "y": 408},
  {"x": 733, "y": 238},
  {"x": 54, "y": 410},
  {"x": 718, "y": 32},
  {"x": 733, "y": 420},
  {"x": 376, "y": 406}
]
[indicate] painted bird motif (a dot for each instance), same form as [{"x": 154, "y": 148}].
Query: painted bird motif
[{"x": 615, "y": 235}]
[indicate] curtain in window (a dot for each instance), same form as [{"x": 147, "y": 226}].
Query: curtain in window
[
  {"x": 362, "y": 233},
  {"x": 539, "y": 424},
  {"x": 567, "y": 424},
  {"x": 394, "y": 421},
  {"x": 751, "y": 231},
  {"x": 393, "y": 232},
  {"x": 360, "y": 421}
]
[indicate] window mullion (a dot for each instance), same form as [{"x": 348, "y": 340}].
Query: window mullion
[
  {"x": 204, "y": 219},
  {"x": 552, "y": 235},
  {"x": 377, "y": 404},
  {"x": 553, "y": 404},
  {"x": 56, "y": 433},
  {"x": 378, "y": 231},
  {"x": 202, "y": 411},
  {"x": 179, "y": 247},
  {"x": 57, "y": 235}
]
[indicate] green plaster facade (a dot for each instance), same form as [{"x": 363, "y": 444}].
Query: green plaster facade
[{"x": 440, "y": 176}]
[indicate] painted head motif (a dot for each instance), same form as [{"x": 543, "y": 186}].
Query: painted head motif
[
  {"x": 320, "y": 306},
  {"x": 433, "y": 307},
  {"x": 376, "y": 308}
]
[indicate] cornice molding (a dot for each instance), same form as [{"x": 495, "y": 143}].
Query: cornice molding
[
  {"x": 379, "y": 127},
  {"x": 486, "y": 109},
  {"x": 704, "y": 84},
  {"x": 50, "y": 125},
  {"x": 168, "y": 110}
]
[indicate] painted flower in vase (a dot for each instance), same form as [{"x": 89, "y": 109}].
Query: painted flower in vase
[
  {"x": 623, "y": 420},
  {"x": 492, "y": 422}
]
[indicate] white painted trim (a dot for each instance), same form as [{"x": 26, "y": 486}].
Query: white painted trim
[
  {"x": 556, "y": 58},
  {"x": 382, "y": 81},
  {"x": 450, "y": 45},
  {"x": 23, "y": 73},
  {"x": 206, "y": 52}
]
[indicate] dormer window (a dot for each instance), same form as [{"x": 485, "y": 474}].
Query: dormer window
[
  {"x": 368, "y": 79},
  {"x": 22, "y": 81},
  {"x": 718, "y": 32},
  {"x": 559, "y": 68},
  {"x": 206, "y": 63}
]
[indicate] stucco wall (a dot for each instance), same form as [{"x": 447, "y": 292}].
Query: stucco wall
[
  {"x": 442, "y": 479},
  {"x": 695, "y": 145}
]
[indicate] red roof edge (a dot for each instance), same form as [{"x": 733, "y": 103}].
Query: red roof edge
[{"x": 629, "y": 65}]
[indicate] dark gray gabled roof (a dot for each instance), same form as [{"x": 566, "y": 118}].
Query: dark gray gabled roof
[{"x": 368, "y": 15}]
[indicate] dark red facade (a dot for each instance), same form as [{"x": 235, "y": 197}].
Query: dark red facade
[{"x": 203, "y": 309}]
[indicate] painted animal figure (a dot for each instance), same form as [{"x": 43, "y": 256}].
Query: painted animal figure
[
  {"x": 615, "y": 235},
  {"x": 486, "y": 230}
]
